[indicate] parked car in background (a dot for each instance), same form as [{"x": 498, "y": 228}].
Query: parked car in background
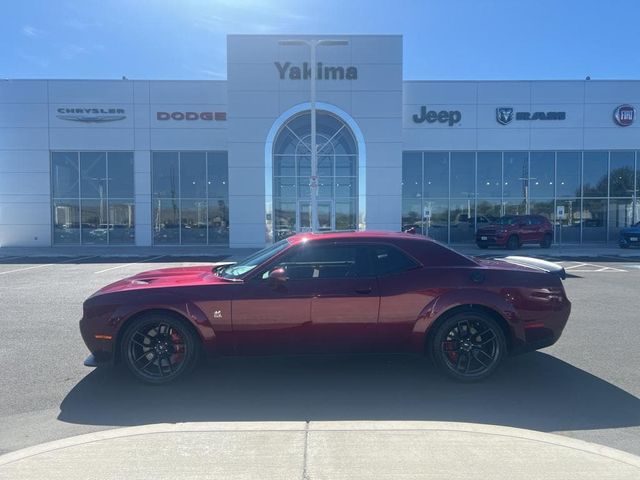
[
  {"x": 630, "y": 236},
  {"x": 512, "y": 231}
]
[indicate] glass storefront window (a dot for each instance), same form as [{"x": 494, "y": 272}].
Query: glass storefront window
[
  {"x": 489, "y": 181},
  {"x": 463, "y": 174},
  {"x": 190, "y": 196},
  {"x": 542, "y": 175},
  {"x": 436, "y": 175},
  {"x": 83, "y": 186},
  {"x": 515, "y": 175},
  {"x": 412, "y": 175},
  {"x": 598, "y": 190},
  {"x": 594, "y": 174},
  {"x": 568, "y": 174},
  {"x": 621, "y": 173}
]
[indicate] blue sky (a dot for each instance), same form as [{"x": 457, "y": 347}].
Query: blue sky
[{"x": 443, "y": 39}]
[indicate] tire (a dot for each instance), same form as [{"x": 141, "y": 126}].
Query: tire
[
  {"x": 468, "y": 346},
  {"x": 159, "y": 348},
  {"x": 546, "y": 240},
  {"x": 482, "y": 246},
  {"x": 513, "y": 243}
]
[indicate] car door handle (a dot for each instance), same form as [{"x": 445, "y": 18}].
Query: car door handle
[{"x": 364, "y": 290}]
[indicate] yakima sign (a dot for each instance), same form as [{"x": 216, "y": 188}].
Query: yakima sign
[
  {"x": 191, "y": 116},
  {"x": 91, "y": 115},
  {"x": 450, "y": 117},
  {"x": 323, "y": 72}
]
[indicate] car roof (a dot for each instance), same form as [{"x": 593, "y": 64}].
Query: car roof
[
  {"x": 424, "y": 249},
  {"x": 360, "y": 235}
]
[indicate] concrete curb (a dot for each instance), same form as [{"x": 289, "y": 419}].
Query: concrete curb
[{"x": 467, "y": 429}]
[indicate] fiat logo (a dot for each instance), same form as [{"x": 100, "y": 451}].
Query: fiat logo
[{"x": 624, "y": 115}]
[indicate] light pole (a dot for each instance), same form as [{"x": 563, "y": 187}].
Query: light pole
[{"x": 313, "y": 181}]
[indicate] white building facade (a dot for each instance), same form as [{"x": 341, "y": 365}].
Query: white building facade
[{"x": 121, "y": 162}]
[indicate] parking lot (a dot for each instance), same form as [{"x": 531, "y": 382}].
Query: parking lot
[{"x": 587, "y": 386}]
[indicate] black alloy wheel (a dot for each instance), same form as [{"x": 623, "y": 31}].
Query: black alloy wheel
[
  {"x": 546, "y": 240},
  {"x": 159, "y": 348},
  {"x": 468, "y": 346},
  {"x": 513, "y": 243}
]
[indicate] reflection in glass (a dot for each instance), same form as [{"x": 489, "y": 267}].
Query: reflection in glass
[
  {"x": 620, "y": 216},
  {"x": 88, "y": 179},
  {"x": 594, "y": 220},
  {"x": 93, "y": 215},
  {"x": 165, "y": 175},
  {"x": 66, "y": 221},
  {"x": 122, "y": 221},
  {"x": 120, "y": 170},
  {"x": 193, "y": 221},
  {"x": 489, "y": 174},
  {"x": 436, "y": 174},
  {"x": 567, "y": 230},
  {"x": 462, "y": 219},
  {"x": 594, "y": 174},
  {"x": 515, "y": 181},
  {"x": 217, "y": 175},
  {"x": 568, "y": 174},
  {"x": 412, "y": 215},
  {"x": 218, "y": 221},
  {"x": 489, "y": 209},
  {"x": 166, "y": 221},
  {"x": 542, "y": 177},
  {"x": 436, "y": 219},
  {"x": 621, "y": 173},
  {"x": 285, "y": 219},
  {"x": 346, "y": 213},
  {"x": 463, "y": 174},
  {"x": 411, "y": 175},
  {"x": 193, "y": 174},
  {"x": 93, "y": 174},
  {"x": 65, "y": 175}
]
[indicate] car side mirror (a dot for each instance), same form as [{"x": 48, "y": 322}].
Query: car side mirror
[{"x": 278, "y": 277}]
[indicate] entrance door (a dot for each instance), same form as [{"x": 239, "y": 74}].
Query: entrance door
[{"x": 326, "y": 216}]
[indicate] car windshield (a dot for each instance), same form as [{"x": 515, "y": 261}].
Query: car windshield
[
  {"x": 238, "y": 269},
  {"x": 506, "y": 220}
]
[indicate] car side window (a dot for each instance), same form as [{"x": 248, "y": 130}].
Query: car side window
[
  {"x": 326, "y": 261},
  {"x": 388, "y": 260}
]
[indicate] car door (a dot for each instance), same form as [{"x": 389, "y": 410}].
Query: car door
[
  {"x": 346, "y": 299},
  {"x": 405, "y": 290}
]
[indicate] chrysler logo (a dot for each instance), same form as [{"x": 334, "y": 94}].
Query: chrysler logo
[
  {"x": 504, "y": 115},
  {"x": 624, "y": 115},
  {"x": 91, "y": 115}
]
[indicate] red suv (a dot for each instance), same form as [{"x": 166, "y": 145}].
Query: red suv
[{"x": 512, "y": 231}]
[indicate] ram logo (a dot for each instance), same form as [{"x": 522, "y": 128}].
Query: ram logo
[{"x": 504, "y": 115}]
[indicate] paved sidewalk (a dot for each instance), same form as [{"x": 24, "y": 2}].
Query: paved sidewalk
[{"x": 320, "y": 450}]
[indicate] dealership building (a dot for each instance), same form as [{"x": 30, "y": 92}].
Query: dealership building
[{"x": 228, "y": 163}]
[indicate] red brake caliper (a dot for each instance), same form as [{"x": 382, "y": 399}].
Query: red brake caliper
[
  {"x": 178, "y": 349},
  {"x": 449, "y": 348}
]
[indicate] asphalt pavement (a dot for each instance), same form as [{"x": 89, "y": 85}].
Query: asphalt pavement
[{"x": 586, "y": 387}]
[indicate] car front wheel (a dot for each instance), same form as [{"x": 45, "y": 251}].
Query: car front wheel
[
  {"x": 159, "y": 348},
  {"x": 546, "y": 241},
  {"x": 468, "y": 346},
  {"x": 513, "y": 243}
]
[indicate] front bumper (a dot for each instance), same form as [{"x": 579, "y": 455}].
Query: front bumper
[
  {"x": 629, "y": 240},
  {"x": 491, "y": 240}
]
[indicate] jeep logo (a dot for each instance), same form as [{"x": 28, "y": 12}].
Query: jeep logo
[{"x": 450, "y": 117}]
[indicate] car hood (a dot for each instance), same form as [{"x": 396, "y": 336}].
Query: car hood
[
  {"x": 168, "y": 277},
  {"x": 630, "y": 230}
]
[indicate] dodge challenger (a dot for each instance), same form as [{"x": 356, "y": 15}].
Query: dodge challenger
[{"x": 332, "y": 292}]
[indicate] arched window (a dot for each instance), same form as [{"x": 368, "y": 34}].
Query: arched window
[{"x": 337, "y": 175}]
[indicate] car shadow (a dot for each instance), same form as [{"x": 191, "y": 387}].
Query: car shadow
[{"x": 535, "y": 391}]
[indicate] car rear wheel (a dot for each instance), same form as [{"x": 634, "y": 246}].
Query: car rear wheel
[
  {"x": 546, "y": 241},
  {"x": 468, "y": 346},
  {"x": 513, "y": 243},
  {"x": 159, "y": 348}
]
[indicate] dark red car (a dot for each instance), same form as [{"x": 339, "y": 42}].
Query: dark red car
[
  {"x": 512, "y": 231},
  {"x": 332, "y": 292}
]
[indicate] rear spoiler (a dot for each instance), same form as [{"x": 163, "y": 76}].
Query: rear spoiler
[{"x": 538, "y": 264}]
